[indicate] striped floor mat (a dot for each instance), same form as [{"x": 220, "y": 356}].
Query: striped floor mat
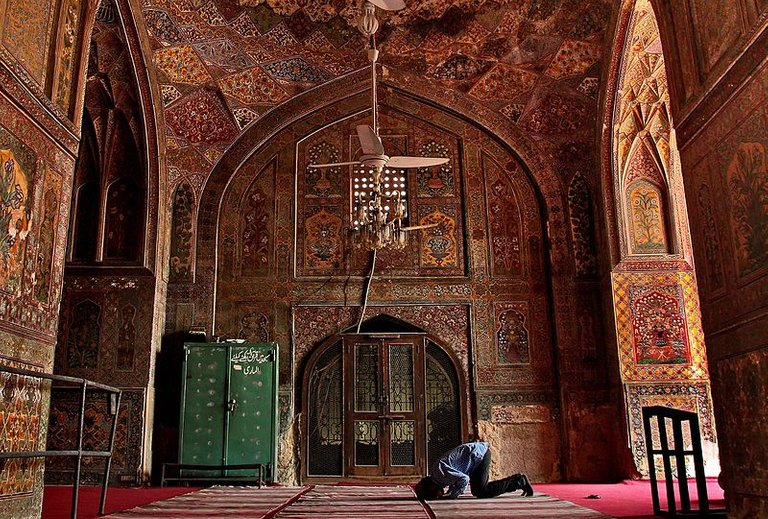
[
  {"x": 350, "y": 502},
  {"x": 356, "y": 502},
  {"x": 539, "y": 506},
  {"x": 215, "y": 502}
]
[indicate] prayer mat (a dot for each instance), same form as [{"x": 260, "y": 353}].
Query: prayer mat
[
  {"x": 356, "y": 502},
  {"x": 215, "y": 502},
  {"x": 539, "y": 506}
]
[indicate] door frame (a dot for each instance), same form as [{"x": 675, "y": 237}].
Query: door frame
[
  {"x": 306, "y": 367},
  {"x": 383, "y": 413}
]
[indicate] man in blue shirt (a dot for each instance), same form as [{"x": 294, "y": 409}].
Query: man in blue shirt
[{"x": 468, "y": 464}]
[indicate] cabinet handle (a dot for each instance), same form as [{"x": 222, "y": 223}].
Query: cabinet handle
[{"x": 231, "y": 405}]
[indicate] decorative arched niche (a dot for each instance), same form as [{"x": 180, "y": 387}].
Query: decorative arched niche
[
  {"x": 643, "y": 143},
  {"x": 343, "y": 437}
]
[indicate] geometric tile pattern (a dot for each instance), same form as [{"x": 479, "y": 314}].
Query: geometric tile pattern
[
  {"x": 169, "y": 93},
  {"x": 162, "y": 26},
  {"x": 223, "y": 53},
  {"x": 573, "y": 58},
  {"x": 296, "y": 70},
  {"x": 504, "y": 82},
  {"x": 496, "y": 53},
  {"x": 252, "y": 86},
  {"x": 182, "y": 65},
  {"x": 244, "y": 116},
  {"x": 97, "y": 425},
  {"x": 201, "y": 118}
]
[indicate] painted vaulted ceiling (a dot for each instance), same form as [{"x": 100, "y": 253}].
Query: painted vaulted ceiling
[{"x": 223, "y": 64}]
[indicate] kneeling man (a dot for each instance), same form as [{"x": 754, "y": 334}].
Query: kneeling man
[{"x": 468, "y": 463}]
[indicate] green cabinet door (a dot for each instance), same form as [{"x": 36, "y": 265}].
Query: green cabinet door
[
  {"x": 203, "y": 412},
  {"x": 252, "y": 421},
  {"x": 229, "y": 408}
]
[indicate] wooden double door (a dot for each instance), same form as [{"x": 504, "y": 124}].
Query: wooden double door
[{"x": 384, "y": 425}]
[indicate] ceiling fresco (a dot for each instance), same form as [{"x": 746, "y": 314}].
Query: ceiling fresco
[{"x": 223, "y": 64}]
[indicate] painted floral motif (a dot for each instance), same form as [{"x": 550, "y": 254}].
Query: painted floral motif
[
  {"x": 47, "y": 239},
  {"x": 461, "y": 67},
  {"x": 20, "y": 430},
  {"x": 647, "y": 219},
  {"x": 574, "y": 58},
  {"x": 438, "y": 244},
  {"x": 254, "y": 327},
  {"x": 182, "y": 65},
  {"x": 582, "y": 227},
  {"x": 255, "y": 237},
  {"x": 296, "y": 70},
  {"x": 658, "y": 325},
  {"x": 252, "y": 86},
  {"x": 505, "y": 225},
  {"x": 83, "y": 336},
  {"x": 181, "y": 234},
  {"x": 435, "y": 181},
  {"x": 202, "y": 118},
  {"x": 323, "y": 241},
  {"x": 223, "y": 53},
  {"x": 504, "y": 82},
  {"x": 323, "y": 182},
  {"x": 748, "y": 183},
  {"x": 162, "y": 26},
  {"x": 26, "y": 31},
  {"x": 512, "y": 337},
  {"x": 14, "y": 219},
  {"x": 66, "y": 55},
  {"x": 126, "y": 338},
  {"x": 713, "y": 267}
]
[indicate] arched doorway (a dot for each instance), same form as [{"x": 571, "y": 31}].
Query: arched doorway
[{"x": 380, "y": 403}]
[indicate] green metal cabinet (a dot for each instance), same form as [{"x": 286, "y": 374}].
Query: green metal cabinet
[{"x": 229, "y": 408}]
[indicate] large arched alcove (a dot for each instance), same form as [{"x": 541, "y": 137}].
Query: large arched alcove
[
  {"x": 501, "y": 302},
  {"x": 662, "y": 357}
]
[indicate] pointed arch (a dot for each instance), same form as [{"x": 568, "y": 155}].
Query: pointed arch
[{"x": 641, "y": 140}]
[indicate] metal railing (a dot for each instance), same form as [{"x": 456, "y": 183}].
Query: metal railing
[{"x": 113, "y": 408}]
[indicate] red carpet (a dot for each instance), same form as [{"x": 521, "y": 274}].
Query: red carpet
[
  {"x": 628, "y": 499},
  {"x": 57, "y": 501}
]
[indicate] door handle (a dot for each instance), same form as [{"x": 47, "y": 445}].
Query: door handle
[
  {"x": 393, "y": 417},
  {"x": 231, "y": 405}
]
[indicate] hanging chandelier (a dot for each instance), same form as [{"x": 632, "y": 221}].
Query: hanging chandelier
[{"x": 379, "y": 207}]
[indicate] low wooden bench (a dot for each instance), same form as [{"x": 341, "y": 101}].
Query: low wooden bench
[{"x": 180, "y": 477}]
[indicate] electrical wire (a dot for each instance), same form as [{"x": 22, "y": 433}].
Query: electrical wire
[{"x": 367, "y": 291}]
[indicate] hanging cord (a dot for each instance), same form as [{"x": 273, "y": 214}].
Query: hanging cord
[{"x": 367, "y": 291}]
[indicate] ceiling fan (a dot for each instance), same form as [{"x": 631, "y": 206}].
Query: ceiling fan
[{"x": 373, "y": 155}]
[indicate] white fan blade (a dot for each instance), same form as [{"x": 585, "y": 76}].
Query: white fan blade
[
  {"x": 369, "y": 141},
  {"x": 333, "y": 164},
  {"x": 415, "y": 162},
  {"x": 389, "y": 5},
  {"x": 415, "y": 227}
]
